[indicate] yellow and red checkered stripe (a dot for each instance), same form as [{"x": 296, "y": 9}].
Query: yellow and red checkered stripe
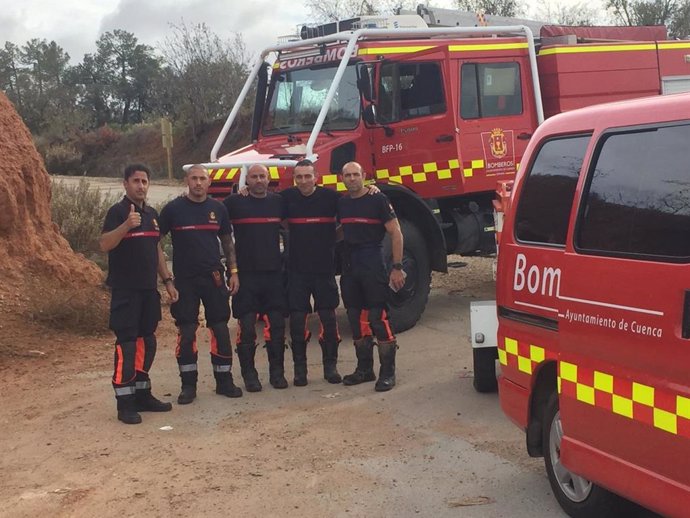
[
  {"x": 522, "y": 355},
  {"x": 230, "y": 173},
  {"x": 423, "y": 172},
  {"x": 660, "y": 408},
  {"x": 329, "y": 180},
  {"x": 653, "y": 406}
]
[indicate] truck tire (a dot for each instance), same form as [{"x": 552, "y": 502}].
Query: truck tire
[
  {"x": 484, "y": 359},
  {"x": 578, "y": 497},
  {"x": 406, "y": 306}
]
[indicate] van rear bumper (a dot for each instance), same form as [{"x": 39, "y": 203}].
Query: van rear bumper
[{"x": 514, "y": 401}]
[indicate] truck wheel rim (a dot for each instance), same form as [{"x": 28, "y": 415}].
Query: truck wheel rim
[{"x": 575, "y": 487}]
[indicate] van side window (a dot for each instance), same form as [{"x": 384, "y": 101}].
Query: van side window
[
  {"x": 546, "y": 198},
  {"x": 637, "y": 199},
  {"x": 490, "y": 90},
  {"x": 410, "y": 90}
]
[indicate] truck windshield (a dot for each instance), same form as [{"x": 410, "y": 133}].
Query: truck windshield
[{"x": 296, "y": 97}]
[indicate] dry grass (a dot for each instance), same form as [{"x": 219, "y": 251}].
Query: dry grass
[
  {"x": 79, "y": 212},
  {"x": 80, "y": 310}
]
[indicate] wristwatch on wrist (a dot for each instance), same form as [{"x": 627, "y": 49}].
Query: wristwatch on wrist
[
  {"x": 167, "y": 280},
  {"x": 397, "y": 266}
]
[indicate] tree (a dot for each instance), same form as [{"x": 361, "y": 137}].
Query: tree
[
  {"x": 508, "y": 8},
  {"x": 334, "y": 10},
  {"x": 675, "y": 14},
  {"x": 204, "y": 76},
  {"x": 562, "y": 14},
  {"x": 131, "y": 69}
]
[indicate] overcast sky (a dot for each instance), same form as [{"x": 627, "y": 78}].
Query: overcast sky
[{"x": 76, "y": 24}]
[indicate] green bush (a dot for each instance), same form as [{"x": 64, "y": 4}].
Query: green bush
[
  {"x": 79, "y": 212},
  {"x": 62, "y": 159}
]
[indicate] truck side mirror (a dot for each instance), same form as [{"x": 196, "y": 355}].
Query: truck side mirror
[
  {"x": 365, "y": 82},
  {"x": 369, "y": 114}
]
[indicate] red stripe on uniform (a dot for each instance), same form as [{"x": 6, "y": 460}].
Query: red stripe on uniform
[
  {"x": 142, "y": 234},
  {"x": 139, "y": 355},
  {"x": 366, "y": 221},
  {"x": 210, "y": 226},
  {"x": 301, "y": 221},
  {"x": 249, "y": 221}
]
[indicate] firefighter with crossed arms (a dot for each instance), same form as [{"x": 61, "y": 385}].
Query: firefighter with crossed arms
[
  {"x": 196, "y": 223},
  {"x": 131, "y": 238}
]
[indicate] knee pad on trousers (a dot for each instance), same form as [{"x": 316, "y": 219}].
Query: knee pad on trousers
[
  {"x": 353, "y": 317},
  {"x": 246, "y": 332},
  {"x": 380, "y": 326},
  {"x": 220, "y": 341},
  {"x": 277, "y": 327},
  {"x": 150, "y": 348},
  {"x": 124, "y": 360},
  {"x": 329, "y": 325},
  {"x": 298, "y": 326},
  {"x": 186, "y": 351}
]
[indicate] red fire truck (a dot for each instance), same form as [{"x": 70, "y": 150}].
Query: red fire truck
[
  {"x": 435, "y": 116},
  {"x": 593, "y": 297}
]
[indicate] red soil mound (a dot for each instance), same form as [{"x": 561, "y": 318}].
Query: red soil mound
[{"x": 34, "y": 258}]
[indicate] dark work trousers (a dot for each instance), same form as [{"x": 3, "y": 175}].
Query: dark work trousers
[
  {"x": 212, "y": 291},
  {"x": 302, "y": 287},
  {"x": 134, "y": 317},
  {"x": 364, "y": 288}
]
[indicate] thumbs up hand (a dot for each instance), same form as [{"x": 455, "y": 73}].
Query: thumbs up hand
[{"x": 134, "y": 218}]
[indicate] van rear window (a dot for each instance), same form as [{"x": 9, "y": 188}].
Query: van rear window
[
  {"x": 546, "y": 198},
  {"x": 637, "y": 200}
]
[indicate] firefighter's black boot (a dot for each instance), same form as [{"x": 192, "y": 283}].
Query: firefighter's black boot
[
  {"x": 246, "y": 352},
  {"x": 127, "y": 409},
  {"x": 299, "y": 358},
  {"x": 188, "y": 391},
  {"x": 364, "y": 348},
  {"x": 329, "y": 353},
  {"x": 386, "y": 379},
  {"x": 146, "y": 402},
  {"x": 225, "y": 385},
  {"x": 276, "y": 368}
]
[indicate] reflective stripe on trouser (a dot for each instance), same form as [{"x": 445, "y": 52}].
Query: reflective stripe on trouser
[
  {"x": 124, "y": 373},
  {"x": 145, "y": 353},
  {"x": 187, "y": 353},
  {"x": 367, "y": 322},
  {"x": 221, "y": 348}
]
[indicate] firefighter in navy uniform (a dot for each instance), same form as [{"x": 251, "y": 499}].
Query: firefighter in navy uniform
[
  {"x": 311, "y": 212},
  {"x": 256, "y": 223},
  {"x": 364, "y": 282},
  {"x": 131, "y": 238},
  {"x": 196, "y": 223}
]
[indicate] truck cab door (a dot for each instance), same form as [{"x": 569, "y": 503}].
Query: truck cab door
[
  {"x": 496, "y": 117},
  {"x": 413, "y": 137}
]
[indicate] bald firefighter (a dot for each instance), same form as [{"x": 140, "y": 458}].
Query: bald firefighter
[
  {"x": 256, "y": 221},
  {"x": 364, "y": 281},
  {"x": 197, "y": 223}
]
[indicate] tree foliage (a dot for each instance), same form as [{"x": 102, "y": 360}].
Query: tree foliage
[
  {"x": 333, "y": 10},
  {"x": 675, "y": 14},
  {"x": 509, "y": 8},
  {"x": 203, "y": 76}
]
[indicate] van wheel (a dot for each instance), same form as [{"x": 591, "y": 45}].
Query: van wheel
[
  {"x": 407, "y": 306},
  {"x": 485, "y": 369},
  {"x": 578, "y": 497}
]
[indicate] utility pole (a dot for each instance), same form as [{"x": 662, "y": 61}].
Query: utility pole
[{"x": 167, "y": 134}]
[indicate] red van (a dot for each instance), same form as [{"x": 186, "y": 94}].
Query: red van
[{"x": 593, "y": 302}]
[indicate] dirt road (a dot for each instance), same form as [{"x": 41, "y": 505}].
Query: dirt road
[{"x": 430, "y": 447}]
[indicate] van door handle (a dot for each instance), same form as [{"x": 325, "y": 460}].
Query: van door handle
[
  {"x": 444, "y": 138},
  {"x": 524, "y": 136}
]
